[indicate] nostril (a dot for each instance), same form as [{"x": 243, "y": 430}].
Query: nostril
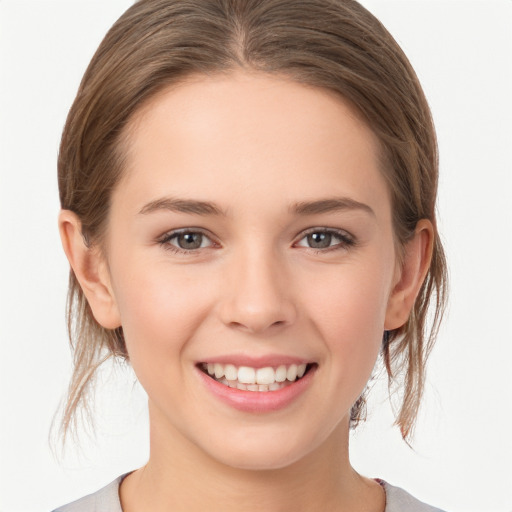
[
  {"x": 255, "y": 326},
  {"x": 256, "y": 322}
]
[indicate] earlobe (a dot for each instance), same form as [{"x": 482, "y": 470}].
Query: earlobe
[
  {"x": 410, "y": 275},
  {"x": 90, "y": 269}
]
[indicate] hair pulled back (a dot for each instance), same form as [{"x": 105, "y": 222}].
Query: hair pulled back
[{"x": 332, "y": 44}]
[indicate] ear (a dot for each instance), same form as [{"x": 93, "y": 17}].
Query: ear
[
  {"x": 90, "y": 269},
  {"x": 410, "y": 275}
]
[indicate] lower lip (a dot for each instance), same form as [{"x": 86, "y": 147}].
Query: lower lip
[{"x": 258, "y": 401}]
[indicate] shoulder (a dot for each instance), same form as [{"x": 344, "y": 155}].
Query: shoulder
[
  {"x": 398, "y": 500},
  {"x": 104, "y": 500}
]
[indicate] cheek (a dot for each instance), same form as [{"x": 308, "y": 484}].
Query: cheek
[
  {"x": 353, "y": 298},
  {"x": 349, "y": 309},
  {"x": 160, "y": 310}
]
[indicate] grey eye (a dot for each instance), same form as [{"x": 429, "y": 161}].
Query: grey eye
[
  {"x": 319, "y": 240},
  {"x": 326, "y": 239},
  {"x": 189, "y": 241}
]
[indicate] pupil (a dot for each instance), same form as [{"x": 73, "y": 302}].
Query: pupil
[
  {"x": 319, "y": 240},
  {"x": 190, "y": 240}
]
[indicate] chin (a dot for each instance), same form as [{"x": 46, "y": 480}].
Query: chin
[
  {"x": 262, "y": 452},
  {"x": 260, "y": 460}
]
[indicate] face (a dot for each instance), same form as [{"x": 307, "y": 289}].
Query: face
[{"x": 251, "y": 261}]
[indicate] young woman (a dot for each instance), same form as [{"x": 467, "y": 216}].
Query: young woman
[{"x": 248, "y": 195}]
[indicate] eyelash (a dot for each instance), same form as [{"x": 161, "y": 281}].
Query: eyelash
[
  {"x": 165, "y": 241},
  {"x": 345, "y": 240}
]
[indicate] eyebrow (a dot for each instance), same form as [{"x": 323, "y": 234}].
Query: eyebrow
[
  {"x": 207, "y": 208},
  {"x": 330, "y": 205},
  {"x": 182, "y": 206}
]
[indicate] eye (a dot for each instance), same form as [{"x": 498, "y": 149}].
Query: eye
[
  {"x": 185, "y": 240},
  {"x": 322, "y": 238}
]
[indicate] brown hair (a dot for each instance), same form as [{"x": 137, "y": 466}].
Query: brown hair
[{"x": 332, "y": 44}]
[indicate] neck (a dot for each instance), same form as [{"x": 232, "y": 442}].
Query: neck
[{"x": 179, "y": 476}]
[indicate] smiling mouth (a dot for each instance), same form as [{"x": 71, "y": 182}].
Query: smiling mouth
[{"x": 246, "y": 378}]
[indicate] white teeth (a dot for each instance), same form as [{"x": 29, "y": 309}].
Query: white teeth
[
  {"x": 219, "y": 370},
  {"x": 291, "y": 374},
  {"x": 252, "y": 379},
  {"x": 265, "y": 375},
  {"x": 246, "y": 375},
  {"x": 230, "y": 372},
  {"x": 281, "y": 373}
]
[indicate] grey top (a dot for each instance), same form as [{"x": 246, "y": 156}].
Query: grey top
[{"x": 107, "y": 500}]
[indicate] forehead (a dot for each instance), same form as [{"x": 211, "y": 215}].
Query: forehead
[{"x": 255, "y": 131}]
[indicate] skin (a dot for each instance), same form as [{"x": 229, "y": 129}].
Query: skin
[{"x": 257, "y": 148}]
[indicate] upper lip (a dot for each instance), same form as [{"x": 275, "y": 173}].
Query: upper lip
[{"x": 273, "y": 360}]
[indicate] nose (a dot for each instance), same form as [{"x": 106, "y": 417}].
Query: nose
[{"x": 258, "y": 294}]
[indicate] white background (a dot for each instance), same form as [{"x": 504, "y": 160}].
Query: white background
[{"x": 462, "y": 457}]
